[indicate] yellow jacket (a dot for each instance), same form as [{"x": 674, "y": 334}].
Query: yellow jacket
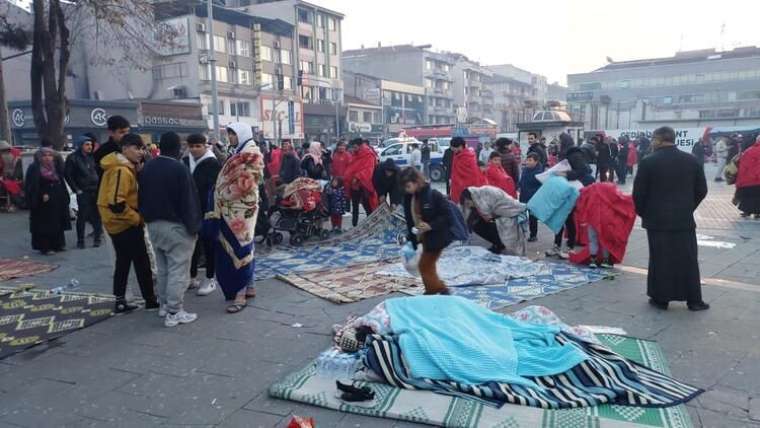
[{"x": 117, "y": 197}]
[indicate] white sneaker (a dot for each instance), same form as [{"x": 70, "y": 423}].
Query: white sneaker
[
  {"x": 207, "y": 288},
  {"x": 181, "y": 317},
  {"x": 162, "y": 311},
  {"x": 194, "y": 283}
]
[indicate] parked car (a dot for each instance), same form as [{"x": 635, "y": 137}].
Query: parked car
[{"x": 401, "y": 151}]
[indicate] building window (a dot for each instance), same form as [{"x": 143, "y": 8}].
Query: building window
[
  {"x": 353, "y": 116},
  {"x": 428, "y": 65},
  {"x": 170, "y": 71},
  {"x": 287, "y": 82},
  {"x": 446, "y": 68},
  {"x": 240, "y": 109},
  {"x": 221, "y": 73},
  {"x": 321, "y": 45},
  {"x": 244, "y": 77},
  {"x": 204, "y": 71},
  {"x": 307, "y": 93},
  {"x": 377, "y": 117},
  {"x": 428, "y": 83},
  {"x": 333, "y": 48},
  {"x": 220, "y": 44},
  {"x": 243, "y": 47},
  {"x": 304, "y": 42},
  {"x": 367, "y": 116},
  {"x": 202, "y": 41},
  {"x": 332, "y": 24},
  {"x": 304, "y": 16},
  {"x": 321, "y": 21},
  {"x": 266, "y": 53},
  {"x": 221, "y": 107},
  {"x": 266, "y": 79},
  {"x": 322, "y": 70},
  {"x": 334, "y": 72},
  {"x": 307, "y": 67},
  {"x": 285, "y": 56}
]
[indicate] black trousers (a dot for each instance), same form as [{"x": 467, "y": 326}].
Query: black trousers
[
  {"x": 359, "y": 198},
  {"x": 488, "y": 231},
  {"x": 205, "y": 247},
  {"x": 88, "y": 213},
  {"x": 533, "y": 225},
  {"x": 603, "y": 172},
  {"x": 131, "y": 250},
  {"x": 570, "y": 227}
]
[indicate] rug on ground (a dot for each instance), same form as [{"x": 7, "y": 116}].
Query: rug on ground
[
  {"x": 352, "y": 283},
  {"x": 14, "y": 268},
  {"x": 455, "y": 412},
  {"x": 31, "y": 317},
  {"x": 374, "y": 239}
]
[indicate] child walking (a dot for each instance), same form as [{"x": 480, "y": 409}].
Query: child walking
[
  {"x": 337, "y": 203},
  {"x": 529, "y": 185}
]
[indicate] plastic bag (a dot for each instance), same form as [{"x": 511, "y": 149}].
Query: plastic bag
[
  {"x": 411, "y": 258},
  {"x": 302, "y": 422}
]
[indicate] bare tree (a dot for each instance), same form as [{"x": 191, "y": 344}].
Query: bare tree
[{"x": 17, "y": 38}]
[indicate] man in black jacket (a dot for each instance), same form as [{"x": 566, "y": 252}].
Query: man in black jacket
[
  {"x": 169, "y": 203},
  {"x": 118, "y": 127},
  {"x": 535, "y": 147},
  {"x": 82, "y": 178},
  {"x": 204, "y": 167},
  {"x": 668, "y": 188},
  {"x": 603, "y": 158}
]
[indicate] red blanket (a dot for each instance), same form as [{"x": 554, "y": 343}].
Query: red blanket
[
  {"x": 749, "y": 167},
  {"x": 340, "y": 163},
  {"x": 633, "y": 156},
  {"x": 497, "y": 177},
  {"x": 275, "y": 162},
  {"x": 611, "y": 213},
  {"x": 361, "y": 169},
  {"x": 465, "y": 173}
]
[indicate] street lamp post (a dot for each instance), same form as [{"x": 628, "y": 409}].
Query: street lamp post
[{"x": 212, "y": 62}]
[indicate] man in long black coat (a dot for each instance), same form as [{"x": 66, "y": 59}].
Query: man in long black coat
[{"x": 668, "y": 188}]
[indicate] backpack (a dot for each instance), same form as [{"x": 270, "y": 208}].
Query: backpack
[{"x": 457, "y": 226}]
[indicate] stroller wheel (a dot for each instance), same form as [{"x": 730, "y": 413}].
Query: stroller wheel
[
  {"x": 296, "y": 240},
  {"x": 324, "y": 234},
  {"x": 276, "y": 238}
]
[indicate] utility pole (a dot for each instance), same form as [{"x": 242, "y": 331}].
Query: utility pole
[
  {"x": 212, "y": 62},
  {"x": 5, "y": 126}
]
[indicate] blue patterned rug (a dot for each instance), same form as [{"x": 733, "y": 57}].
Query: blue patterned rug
[{"x": 374, "y": 239}]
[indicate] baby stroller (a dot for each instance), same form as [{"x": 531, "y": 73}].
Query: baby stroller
[
  {"x": 263, "y": 224},
  {"x": 300, "y": 212}
]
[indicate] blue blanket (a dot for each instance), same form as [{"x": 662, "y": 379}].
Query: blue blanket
[
  {"x": 452, "y": 338},
  {"x": 553, "y": 202}
]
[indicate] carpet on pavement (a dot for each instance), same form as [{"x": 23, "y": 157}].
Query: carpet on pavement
[
  {"x": 352, "y": 283},
  {"x": 374, "y": 239},
  {"x": 15, "y": 268},
  {"x": 31, "y": 317},
  {"x": 430, "y": 408}
]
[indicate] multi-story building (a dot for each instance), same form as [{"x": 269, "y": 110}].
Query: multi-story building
[
  {"x": 363, "y": 118},
  {"x": 689, "y": 89},
  {"x": 317, "y": 32},
  {"x": 403, "y": 105},
  {"x": 253, "y": 60},
  {"x": 470, "y": 91},
  {"x": 415, "y": 67},
  {"x": 514, "y": 101}
]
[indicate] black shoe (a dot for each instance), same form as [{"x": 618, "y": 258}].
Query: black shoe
[
  {"x": 123, "y": 306},
  {"x": 718, "y": 180},
  {"x": 80, "y": 245},
  {"x": 532, "y": 239},
  {"x": 152, "y": 305},
  {"x": 659, "y": 305},
  {"x": 97, "y": 243},
  {"x": 699, "y": 306}
]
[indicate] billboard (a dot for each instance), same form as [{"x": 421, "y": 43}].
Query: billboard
[
  {"x": 286, "y": 115},
  {"x": 173, "y": 36},
  {"x": 685, "y": 137}
]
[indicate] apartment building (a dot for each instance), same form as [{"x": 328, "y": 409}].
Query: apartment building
[{"x": 470, "y": 91}]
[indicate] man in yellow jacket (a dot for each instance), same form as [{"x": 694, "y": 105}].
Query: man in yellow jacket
[{"x": 117, "y": 204}]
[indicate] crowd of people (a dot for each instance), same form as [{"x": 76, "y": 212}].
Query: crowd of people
[{"x": 170, "y": 208}]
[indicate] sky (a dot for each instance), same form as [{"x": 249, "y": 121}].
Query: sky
[{"x": 551, "y": 37}]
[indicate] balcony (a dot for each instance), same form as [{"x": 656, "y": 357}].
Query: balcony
[{"x": 438, "y": 92}]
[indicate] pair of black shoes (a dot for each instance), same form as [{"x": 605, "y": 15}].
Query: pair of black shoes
[
  {"x": 694, "y": 307},
  {"x": 123, "y": 306},
  {"x": 81, "y": 246}
]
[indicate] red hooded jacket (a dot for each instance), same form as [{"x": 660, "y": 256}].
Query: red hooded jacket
[
  {"x": 633, "y": 156},
  {"x": 749, "y": 167},
  {"x": 611, "y": 213},
  {"x": 340, "y": 163},
  {"x": 361, "y": 169},
  {"x": 465, "y": 173},
  {"x": 497, "y": 177},
  {"x": 275, "y": 162}
]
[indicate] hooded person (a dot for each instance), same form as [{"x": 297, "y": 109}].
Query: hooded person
[
  {"x": 464, "y": 169},
  {"x": 341, "y": 159},
  {"x": 622, "y": 160},
  {"x": 231, "y": 221},
  {"x": 565, "y": 143},
  {"x": 497, "y": 177},
  {"x": 274, "y": 163},
  {"x": 358, "y": 178},
  {"x": 82, "y": 176},
  {"x": 312, "y": 162},
  {"x": 497, "y": 218},
  {"x": 48, "y": 202},
  {"x": 386, "y": 183},
  {"x": 748, "y": 181}
]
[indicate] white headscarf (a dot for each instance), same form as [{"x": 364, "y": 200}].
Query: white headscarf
[{"x": 243, "y": 132}]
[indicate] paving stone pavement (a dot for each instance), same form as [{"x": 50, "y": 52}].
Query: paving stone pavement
[{"x": 131, "y": 371}]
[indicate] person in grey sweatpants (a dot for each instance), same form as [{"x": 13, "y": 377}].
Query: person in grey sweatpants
[{"x": 170, "y": 206}]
